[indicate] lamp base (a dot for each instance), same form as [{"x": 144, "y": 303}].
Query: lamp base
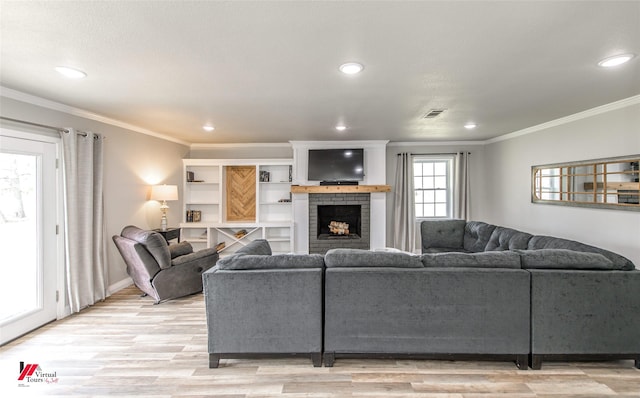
[{"x": 163, "y": 220}]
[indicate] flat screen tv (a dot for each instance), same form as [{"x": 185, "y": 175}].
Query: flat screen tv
[{"x": 335, "y": 165}]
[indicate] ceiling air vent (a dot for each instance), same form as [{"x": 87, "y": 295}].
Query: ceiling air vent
[{"x": 433, "y": 113}]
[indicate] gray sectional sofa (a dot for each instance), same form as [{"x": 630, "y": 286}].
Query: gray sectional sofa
[
  {"x": 259, "y": 304},
  {"x": 381, "y": 304},
  {"x": 585, "y": 301},
  {"x": 478, "y": 291}
]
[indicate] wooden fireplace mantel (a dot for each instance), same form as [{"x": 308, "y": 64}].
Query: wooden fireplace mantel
[{"x": 339, "y": 188}]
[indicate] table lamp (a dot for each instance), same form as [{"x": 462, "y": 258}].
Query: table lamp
[{"x": 163, "y": 193}]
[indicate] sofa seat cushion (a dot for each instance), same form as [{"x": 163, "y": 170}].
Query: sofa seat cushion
[
  {"x": 155, "y": 244},
  {"x": 335, "y": 258},
  {"x": 507, "y": 239},
  {"x": 279, "y": 261},
  {"x": 505, "y": 259},
  {"x": 549, "y": 242},
  {"x": 565, "y": 259},
  {"x": 442, "y": 233}
]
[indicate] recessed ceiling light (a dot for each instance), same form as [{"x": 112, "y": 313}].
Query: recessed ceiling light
[
  {"x": 470, "y": 126},
  {"x": 616, "y": 60},
  {"x": 70, "y": 73},
  {"x": 341, "y": 127},
  {"x": 351, "y": 68},
  {"x": 208, "y": 127}
]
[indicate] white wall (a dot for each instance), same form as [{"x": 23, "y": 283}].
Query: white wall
[
  {"x": 133, "y": 162},
  {"x": 242, "y": 151},
  {"x": 508, "y": 164}
]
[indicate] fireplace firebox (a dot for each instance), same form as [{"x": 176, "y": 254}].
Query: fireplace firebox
[
  {"x": 341, "y": 209},
  {"x": 343, "y": 214}
]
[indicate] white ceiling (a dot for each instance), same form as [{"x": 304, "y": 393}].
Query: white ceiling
[{"x": 267, "y": 71}]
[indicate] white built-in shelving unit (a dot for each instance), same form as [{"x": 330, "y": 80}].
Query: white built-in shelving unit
[{"x": 206, "y": 194}]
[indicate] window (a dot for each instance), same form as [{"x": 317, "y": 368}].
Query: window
[{"x": 432, "y": 184}]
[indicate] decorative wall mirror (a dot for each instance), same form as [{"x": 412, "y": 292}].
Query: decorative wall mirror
[{"x": 604, "y": 183}]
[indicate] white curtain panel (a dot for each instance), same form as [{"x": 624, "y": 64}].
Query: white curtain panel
[
  {"x": 461, "y": 180},
  {"x": 86, "y": 280},
  {"x": 404, "y": 207}
]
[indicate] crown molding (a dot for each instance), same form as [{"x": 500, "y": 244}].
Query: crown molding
[
  {"x": 242, "y": 145},
  {"x": 568, "y": 119},
  {"x": 434, "y": 143},
  {"x": 57, "y": 106}
]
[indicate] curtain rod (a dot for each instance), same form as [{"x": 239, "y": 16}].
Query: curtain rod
[
  {"x": 33, "y": 124},
  {"x": 59, "y": 129}
]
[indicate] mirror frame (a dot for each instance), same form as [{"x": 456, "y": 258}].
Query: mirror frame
[{"x": 598, "y": 175}]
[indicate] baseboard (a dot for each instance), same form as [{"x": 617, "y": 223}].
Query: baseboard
[{"x": 119, "y": 286}]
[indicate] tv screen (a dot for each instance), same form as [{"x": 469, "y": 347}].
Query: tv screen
[{"x": 336, "y": 165}]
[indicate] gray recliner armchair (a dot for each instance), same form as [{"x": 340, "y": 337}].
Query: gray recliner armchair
[{"x": 163, "y": 271}]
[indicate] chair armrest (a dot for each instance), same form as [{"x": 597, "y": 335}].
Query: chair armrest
[
  {"x": 204, "y": 256},
  {"x": 180, "y": 249}
]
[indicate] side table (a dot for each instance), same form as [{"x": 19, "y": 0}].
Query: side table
[{"x": 169, "y": 234}]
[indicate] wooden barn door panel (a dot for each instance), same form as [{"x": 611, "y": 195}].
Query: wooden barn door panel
[{"x": 241, "y": 193}]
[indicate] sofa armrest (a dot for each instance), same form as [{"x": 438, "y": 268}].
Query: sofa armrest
[{"x": 204, "y": 256}]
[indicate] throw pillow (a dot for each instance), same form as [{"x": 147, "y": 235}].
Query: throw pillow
[{"x": 258, "y": 246}]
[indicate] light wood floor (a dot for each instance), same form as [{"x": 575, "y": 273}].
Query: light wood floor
[{"x": 128, "y": 347}]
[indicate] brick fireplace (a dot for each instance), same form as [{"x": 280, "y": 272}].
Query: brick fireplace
[
  {"x": 374, "y": 209},
  {"x": 350, "y": 208}
]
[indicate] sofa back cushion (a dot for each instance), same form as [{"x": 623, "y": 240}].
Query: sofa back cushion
[
  {"x": 279, "y": 261},
  {"x": 476, "y": 235},
  {"x": 439, "y": 234},
  {"x": 564, "y": 259},
  {"x": 549, "y": 242},
  {"x": 507, "y": 239},
  {"x": 152, "y": 241},
  {"x": 505, "y": 259},
  {"x": 335, "y": 258}
]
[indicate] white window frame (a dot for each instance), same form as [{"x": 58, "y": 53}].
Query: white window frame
[{"x": 450, "y": 161}]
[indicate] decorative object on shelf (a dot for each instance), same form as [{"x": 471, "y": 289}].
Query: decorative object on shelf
[
  {"x": 220, "y": 246},
  {"x": 265, "y": 176},
  {"x": 240, "y": 233},
  {"x": 290, "y": 173},
  {"x": 194, "y": 216},
  {"x": 240, "y": 193},
  {"x": 164, "y": 193},
  {"x": 190, "y": 176},
  {"x": 611, "y": 183}
]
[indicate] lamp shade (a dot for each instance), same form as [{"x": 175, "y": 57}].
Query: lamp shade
[{"x": 164, "y": 192}]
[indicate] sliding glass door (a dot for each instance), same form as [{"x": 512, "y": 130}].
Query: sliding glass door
[{"x": 28, "y": 242}]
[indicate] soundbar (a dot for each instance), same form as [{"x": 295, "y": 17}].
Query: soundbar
[{"x": 338, "y": 182}]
